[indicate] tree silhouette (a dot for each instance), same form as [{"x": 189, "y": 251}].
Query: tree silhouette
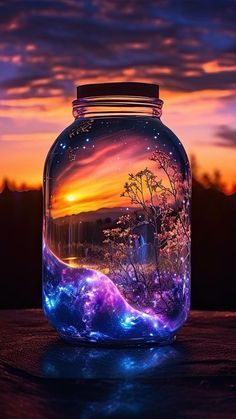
[{"x": 164, "y": 204}]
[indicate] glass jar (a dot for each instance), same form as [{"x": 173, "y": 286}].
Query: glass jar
[{"x": 116, "y": 234}]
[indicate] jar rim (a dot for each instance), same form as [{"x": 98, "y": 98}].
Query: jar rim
[{"x": 118, "y": 89}]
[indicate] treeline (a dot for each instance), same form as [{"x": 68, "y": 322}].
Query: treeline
[{"x": 213, "y": 248}]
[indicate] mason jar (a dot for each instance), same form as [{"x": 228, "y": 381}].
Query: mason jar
[{"x": 116, "y": 231}]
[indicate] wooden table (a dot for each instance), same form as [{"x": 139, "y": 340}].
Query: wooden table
[{"x": 43, "y": 377}]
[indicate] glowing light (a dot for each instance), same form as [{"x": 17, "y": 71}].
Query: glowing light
[
  {"x": 27, "y": 165},
  {"x": 128, "y": 322},
  {"x": 70, "y": 198},
  {"x": 94, "y": 306},
  {"x": 109, "y": 178},
  {"x": 50, "y": 303}
]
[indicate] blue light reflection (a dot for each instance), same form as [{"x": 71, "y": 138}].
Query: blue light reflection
[{"x": 65, "y": 361}]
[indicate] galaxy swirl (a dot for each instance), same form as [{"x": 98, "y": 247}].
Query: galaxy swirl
[{"x": 84, "y": 304}]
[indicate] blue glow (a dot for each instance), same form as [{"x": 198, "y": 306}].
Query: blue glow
[
  {"x": 80, "y": 362},
  {"x": 127, "y": 322},
  {"x": 85, "y": 304},
  {"x": 50, "y": 303}
]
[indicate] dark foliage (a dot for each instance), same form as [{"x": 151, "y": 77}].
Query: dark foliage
[
  {"x": 213, "y": 248},
  {"x": 20, "y": 244}
]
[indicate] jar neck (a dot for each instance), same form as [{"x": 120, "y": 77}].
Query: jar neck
[{"x": 91, "y": 107}]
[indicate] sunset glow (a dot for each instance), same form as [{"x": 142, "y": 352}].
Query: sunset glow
[
  {"x": 192, "y": 61},
  {"x": 75, "y": 189},
  {"x": 70, "y": 198}
]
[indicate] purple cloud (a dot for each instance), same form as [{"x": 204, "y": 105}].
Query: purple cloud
[
  {"x": 227, "y": 136},
  {"x": 46, "y": 46}
]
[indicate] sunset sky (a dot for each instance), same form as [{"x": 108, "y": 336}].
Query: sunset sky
[
  {"x": 48, "y": 47},
  {"x": 109, "y": 160}
]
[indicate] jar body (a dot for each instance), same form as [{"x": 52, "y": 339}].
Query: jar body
[{"x": 116, "y": 239}]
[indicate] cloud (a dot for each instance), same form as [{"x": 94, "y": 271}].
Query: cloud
[
  {"x": 11, "y": 126},
  {"x": 48, "y": 47},
  {"x": 227, "y": 136},
  {"x": 110, "y": 160}
]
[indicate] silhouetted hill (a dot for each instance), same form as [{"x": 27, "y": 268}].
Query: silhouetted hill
[
  {"x": 213, "y": 248},
  {"x": 101, "y": 213}
]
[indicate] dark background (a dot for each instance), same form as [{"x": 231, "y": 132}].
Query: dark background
[
  {"x": 213, "y": 247},
  {"x": 187, "y": 47}
]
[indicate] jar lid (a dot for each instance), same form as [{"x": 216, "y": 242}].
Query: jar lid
[{"x": 118, "y": 89}]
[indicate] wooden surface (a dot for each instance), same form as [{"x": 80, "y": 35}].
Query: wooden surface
[{"x": 43, "y": 377}]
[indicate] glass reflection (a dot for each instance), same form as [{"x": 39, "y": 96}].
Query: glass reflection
[
  {"x": 64, "y": 361},
  {"x": 102, "y": 382}
]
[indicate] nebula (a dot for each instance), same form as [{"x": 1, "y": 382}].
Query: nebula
[{"x": 84, "y": 304}]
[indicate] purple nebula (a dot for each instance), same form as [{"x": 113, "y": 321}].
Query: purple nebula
[{"x": 84, "y": 304}]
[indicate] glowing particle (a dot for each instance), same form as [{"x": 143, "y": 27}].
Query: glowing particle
[
  {"x": 127, "y": 322},
  {"x": 70, "y": 198}
]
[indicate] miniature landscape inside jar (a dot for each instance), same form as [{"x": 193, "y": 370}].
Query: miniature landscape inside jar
[{"x": 117, "y": 232}]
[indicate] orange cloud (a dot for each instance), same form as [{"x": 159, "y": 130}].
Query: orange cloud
[
  {"x": 194, "y": 117},
  {"x": 98, "y": 179}
]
